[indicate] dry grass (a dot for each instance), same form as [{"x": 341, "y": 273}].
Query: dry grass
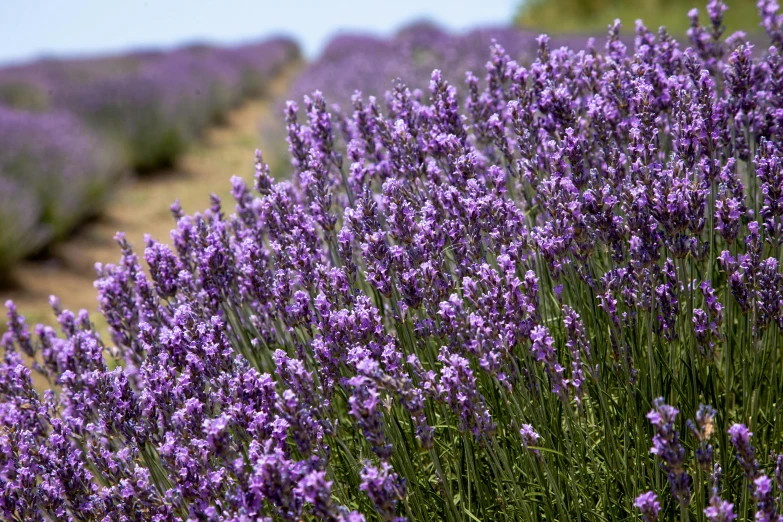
[{"x": 142, "y": 207}]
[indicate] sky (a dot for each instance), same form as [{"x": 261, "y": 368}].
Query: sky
[{"x": 35, "y": 28}]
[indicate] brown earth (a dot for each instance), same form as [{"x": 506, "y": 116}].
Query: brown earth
[{"x": 142, "y": 207}]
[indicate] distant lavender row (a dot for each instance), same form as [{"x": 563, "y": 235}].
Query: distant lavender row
[
  {"x": 53, "y": 173},
  {"x": 153, "y": 103},
  {"x": 369, "y": 64},
  {"x": 70, "y": 129}
]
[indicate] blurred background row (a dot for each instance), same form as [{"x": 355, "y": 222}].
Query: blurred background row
[{"x": 74, "y": 129}]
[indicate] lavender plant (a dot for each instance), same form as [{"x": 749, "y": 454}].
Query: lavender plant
[
  {"x": 20, "y": 230},
  {"x": 446, "y": 316},
  {"x": 55, "y": 172}
]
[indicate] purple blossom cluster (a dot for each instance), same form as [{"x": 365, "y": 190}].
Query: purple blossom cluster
[
  {"x": 352, "y": 62},
  {"x": 649, "y": 506},
  {"x": 668, "y": 448},
  {"x": 458, "y": 308}
]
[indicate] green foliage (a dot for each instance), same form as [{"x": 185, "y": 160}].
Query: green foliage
[
  {"x": 24, "y": 95},
  {"x": 591, "y": 16}
]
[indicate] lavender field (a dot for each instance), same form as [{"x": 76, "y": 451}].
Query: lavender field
[
  {"x": 504, "y": 277},
  {"x": 70, "y": 131}
]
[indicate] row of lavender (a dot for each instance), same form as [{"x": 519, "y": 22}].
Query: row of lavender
[
  {"x": 368, "y": 64},
  {"x": 53, "y": 173},
  {"x": 70, "y": 129},
  {"x": 559, "y": 299}
]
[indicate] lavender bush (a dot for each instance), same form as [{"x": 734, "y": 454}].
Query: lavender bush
[
  {"x": 369, "y": 64},
  {"x": 154, "y": 104},
  {"x": 54, "y": 173},
  {"x": 20, "y": 231},
  {"x": 560, "y": 302}
]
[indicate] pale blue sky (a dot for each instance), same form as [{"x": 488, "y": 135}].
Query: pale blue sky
[{"x": 32, "y": 28}]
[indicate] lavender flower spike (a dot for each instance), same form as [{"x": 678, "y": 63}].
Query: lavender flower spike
[
  {"x": 385, "y": 488},
  {"x": 740, "y": 439},
  {"x": 667, "y": 446},
  {"x": 648, "y": 504},
  {"x": 530, "y": 438},
  {"x": 719, "y": 510}
]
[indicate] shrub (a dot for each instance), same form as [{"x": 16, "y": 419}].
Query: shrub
[
  {"x": 561, "y": 16},
  {"x": 561, "y": 302},
  {"x": 20, "y": 228}
]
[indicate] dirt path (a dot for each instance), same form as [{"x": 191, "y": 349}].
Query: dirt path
[{"x": 142, "y": 207}]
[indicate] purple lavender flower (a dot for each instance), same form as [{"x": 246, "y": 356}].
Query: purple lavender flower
[
  {"x": 719, "y": 510},
  {"x": 765, "y": 500},
  {"x": 667, "y": 447},
  {"x": 530, "y": 438},
  {"x": 771, "y": 20},
  {"x": 458, "y": 388},
  {"x": 778, "y": 470},
  {"x": 648, "y": 504},
  {"x": 406, "y": 287},
  {"x": 702, "y": 429},
  {"x": 316, "y": 490},
  {"x": 740, "y": 439},
  {"x": 579, "y": 346},
  {"x": 543, "y": 351},
  {"x": 366, "y": 408},
  {"x": 708, "y": 321},
  {"x": 385, "y": 489}
]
